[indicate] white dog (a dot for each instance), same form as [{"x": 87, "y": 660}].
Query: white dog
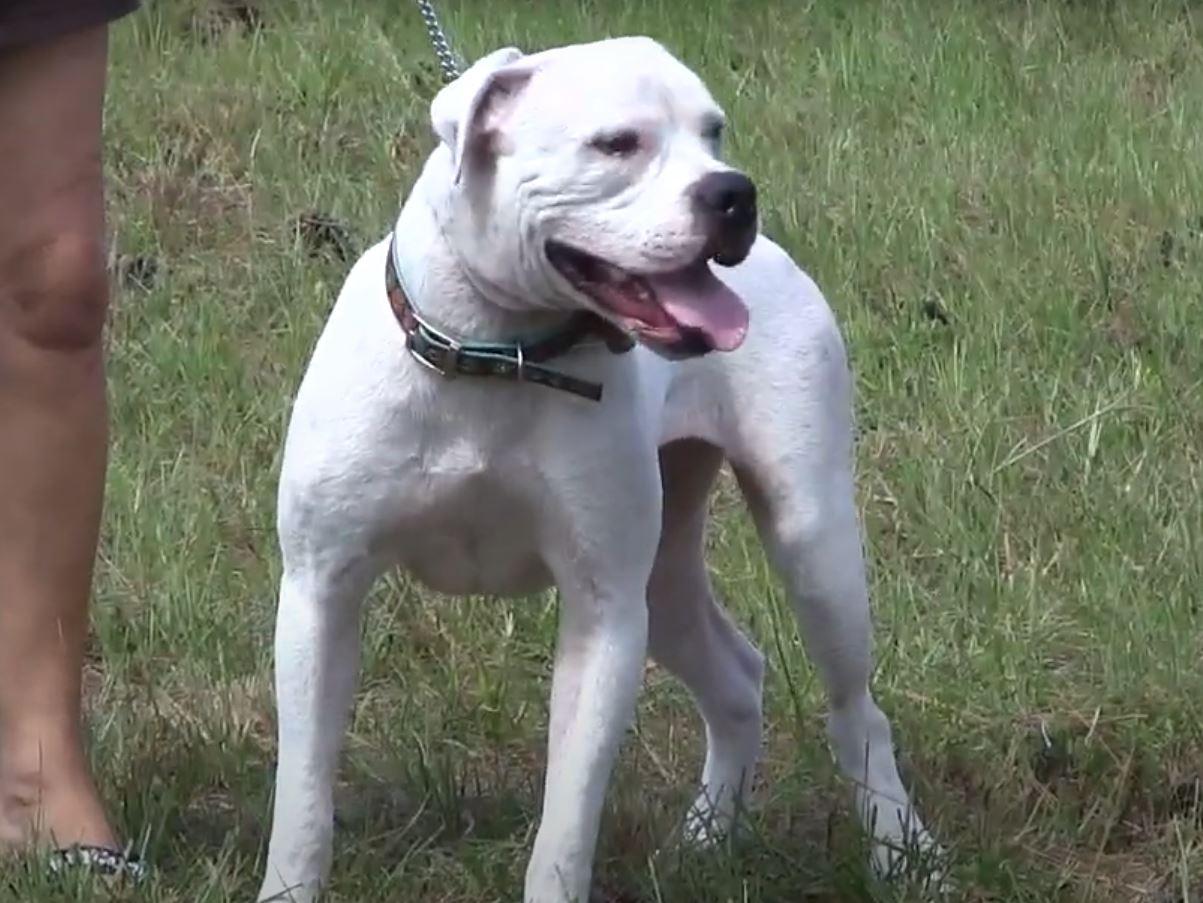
[{"x": 576, "y": 202}]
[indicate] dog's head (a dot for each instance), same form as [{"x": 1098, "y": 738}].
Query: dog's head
[{"x": 590, "y": 176}]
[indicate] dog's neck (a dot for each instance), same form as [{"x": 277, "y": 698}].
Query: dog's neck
[{"x": 443, "y": 288}]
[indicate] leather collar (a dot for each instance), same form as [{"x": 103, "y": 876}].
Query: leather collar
[{"x": 519, "y": 360}]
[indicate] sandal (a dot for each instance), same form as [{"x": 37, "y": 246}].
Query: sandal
[{"x": 104, "y": 861}]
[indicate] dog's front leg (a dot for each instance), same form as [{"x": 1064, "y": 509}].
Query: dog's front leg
[
  {"x": 599, "y": 663},
  {"x": 317, "y": 669},
  {"x": 600, "y": 654}
]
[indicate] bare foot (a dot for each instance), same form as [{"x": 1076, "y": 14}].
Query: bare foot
[{"x": 48, "y": 798}]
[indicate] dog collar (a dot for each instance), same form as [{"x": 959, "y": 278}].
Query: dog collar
[{"x": 519, "y": 360}]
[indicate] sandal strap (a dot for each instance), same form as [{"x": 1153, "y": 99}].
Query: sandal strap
[{"x": 106, "y": 861}]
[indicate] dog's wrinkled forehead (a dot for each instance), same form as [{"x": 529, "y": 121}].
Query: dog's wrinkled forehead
[
  {"x": 624, "y": 78},
  {"x": 568, "y": 92}
]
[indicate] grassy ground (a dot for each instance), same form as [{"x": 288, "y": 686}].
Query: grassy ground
[{"x": 1004, "y": 204}]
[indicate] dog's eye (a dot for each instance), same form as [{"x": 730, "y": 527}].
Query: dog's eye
[
  {"x": 617, "y": 144},
  {"x": 712, "y": 133}
]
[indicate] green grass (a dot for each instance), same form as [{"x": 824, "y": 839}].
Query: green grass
[{"x": 1003, "y": 202}]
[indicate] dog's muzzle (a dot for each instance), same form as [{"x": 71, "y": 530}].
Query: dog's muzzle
[{"x": 726, "y": 203}]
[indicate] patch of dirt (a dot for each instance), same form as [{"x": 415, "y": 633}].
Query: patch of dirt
[
  {"x": 1123, "y": 324},
  {"x": 184, "y": 202},
  {"x": 973, "y": 206},
  {"x": 1153, "y": 81},
  {"x": 216, "y": 18}
]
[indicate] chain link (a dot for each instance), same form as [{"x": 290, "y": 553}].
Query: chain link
[{"x": 448, "y": 62}]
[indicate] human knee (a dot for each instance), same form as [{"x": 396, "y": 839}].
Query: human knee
[{"x": 54, "y": 291}]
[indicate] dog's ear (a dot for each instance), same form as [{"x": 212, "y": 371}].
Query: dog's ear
[{"x": 466, "y": 113}]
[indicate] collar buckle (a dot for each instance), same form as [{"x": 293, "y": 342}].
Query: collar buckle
[
  {"x": 441, "y": 357},
  {"x": 449, "y": 359}
]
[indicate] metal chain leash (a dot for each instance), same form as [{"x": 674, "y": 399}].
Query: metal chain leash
[{"x": 448, "y": 62}]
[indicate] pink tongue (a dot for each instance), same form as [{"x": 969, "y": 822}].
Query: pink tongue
[{"x": 697, "y": 298}]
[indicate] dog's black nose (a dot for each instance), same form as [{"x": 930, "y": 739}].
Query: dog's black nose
[
  {"x": 725, "y": 202},
  {"x": 730, "y": 195}
]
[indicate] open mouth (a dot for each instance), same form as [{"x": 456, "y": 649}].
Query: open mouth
[{"x": 688, "y": 311}]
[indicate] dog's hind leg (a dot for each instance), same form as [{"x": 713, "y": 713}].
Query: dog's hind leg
[
  {"x": 691, "y": 635},
  {"x": 795, "y": 466},
  {"x": 316, "y": 669}
]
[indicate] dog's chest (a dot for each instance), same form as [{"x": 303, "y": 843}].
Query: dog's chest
[{"x": 474, "y": 529}]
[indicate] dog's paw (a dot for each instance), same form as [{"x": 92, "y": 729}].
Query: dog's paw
[
  {"x": 274, "y": 890},
  {"x": 919, "y": 860},
  {"x": 707, "y": 823},
  {"x": 702, "y": 830}
]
